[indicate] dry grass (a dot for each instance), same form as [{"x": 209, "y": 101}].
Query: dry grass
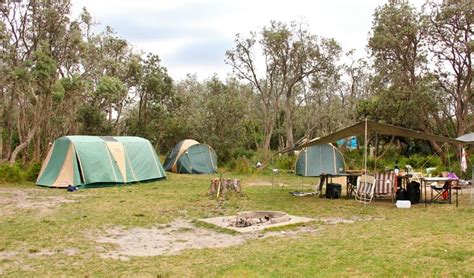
[{"x": 433, "y": 241}]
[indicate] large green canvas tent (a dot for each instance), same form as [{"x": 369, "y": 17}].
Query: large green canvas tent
[
  {"x": 320, "y": 159},
  {"x": 191, "y": 157},
  {"x": 95, "y": 161}
]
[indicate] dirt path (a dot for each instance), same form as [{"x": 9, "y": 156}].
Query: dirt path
[{"x": 14, "y": 200}]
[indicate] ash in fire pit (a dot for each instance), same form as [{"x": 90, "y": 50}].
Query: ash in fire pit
[
  {"x": 250, "y": 218},
  {"x": 249, "y": 221}
]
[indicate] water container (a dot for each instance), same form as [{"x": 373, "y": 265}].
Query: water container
[{"x": 403, "y": 204}]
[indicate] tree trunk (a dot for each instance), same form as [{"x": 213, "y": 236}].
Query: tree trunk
[
  {"x": 1, "y": 141},
  {"x": 2, "y": 123},
  {"x": 23, "y": 145},
  {"x": 289, "y": 123},
  {"x": 266, "y": 142}
]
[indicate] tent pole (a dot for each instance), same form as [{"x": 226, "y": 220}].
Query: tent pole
[{"x": 365, "y": 148}]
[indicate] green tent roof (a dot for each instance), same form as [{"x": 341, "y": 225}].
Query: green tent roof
[
  {"x": 191, "y": 157},
  {"x": 321, "y": 159},
  {"x": 94, "y": 160}
]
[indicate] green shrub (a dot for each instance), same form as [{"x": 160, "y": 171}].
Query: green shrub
[
  {"x": 284, "y": 161},
  {"x": 12, "y": 173},
  {"x": 237, "y": 153},
  {"x": 33, "y": 171},
  {"x": 419, "y": 161},
  {"x": 242, "y": 165}
]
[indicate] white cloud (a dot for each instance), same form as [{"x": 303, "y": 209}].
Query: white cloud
[{"x": 191, "y": 35}]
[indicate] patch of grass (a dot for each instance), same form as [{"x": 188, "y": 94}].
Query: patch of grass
[
  {"x": 408, "y": 242},
  {"x": 206, "y": 225},
  {"x": 295, "y": 226}
]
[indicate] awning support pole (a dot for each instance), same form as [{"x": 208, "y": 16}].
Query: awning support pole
[{"x": 365, "y": 148}]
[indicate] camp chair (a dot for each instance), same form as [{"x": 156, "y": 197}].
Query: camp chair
[
  {"x": 351, "y": 185},
  {"x": 365, "y": 189},
  {"x": 441, "y": 192},
  {"x": 384, "y": 183}
]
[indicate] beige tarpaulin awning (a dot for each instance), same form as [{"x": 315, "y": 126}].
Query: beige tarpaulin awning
[{"x": 360, "y": 128}]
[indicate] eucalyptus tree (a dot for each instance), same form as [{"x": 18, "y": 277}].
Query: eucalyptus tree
[
  {"x": 396, "y": 46},
  {"x": 37, "y": 40},
  {"x": 451, "y": 44},
  {"x": 290, "y": 54}
]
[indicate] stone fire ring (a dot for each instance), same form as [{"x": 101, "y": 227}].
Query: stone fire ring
[{"x": 277, "y": 219}]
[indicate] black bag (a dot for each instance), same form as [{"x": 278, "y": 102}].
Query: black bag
[
  {"x": 402, "y": 194},
  {"x": 333, "y": 190},
  {"x": 414, "y": 192}
]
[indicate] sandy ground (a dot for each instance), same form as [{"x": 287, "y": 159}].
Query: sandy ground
[
  {"x": 173, "y": 238},
  {"x": 180, "y": 235},
  {"x": 13, "y": 201}
]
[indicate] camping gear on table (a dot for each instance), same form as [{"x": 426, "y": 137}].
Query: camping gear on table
[
  {"x": 91, "y": 161},
  {"x": 191, "y": 157},
  {"x": 317, "y": 160}
]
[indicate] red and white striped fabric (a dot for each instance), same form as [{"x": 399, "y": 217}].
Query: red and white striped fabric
[{"x": 384, "y": 182}]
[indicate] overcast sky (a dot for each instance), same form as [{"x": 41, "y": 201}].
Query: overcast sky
[{"x": 191, "y": 36}]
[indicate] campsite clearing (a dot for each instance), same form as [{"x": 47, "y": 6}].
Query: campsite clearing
[{"x": 76, "y": 236}]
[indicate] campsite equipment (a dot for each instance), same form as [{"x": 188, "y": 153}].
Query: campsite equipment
[
  {"x": 403, "y": 204},
  {"x": 333, "y": 190},
  {"x": 71, "y": 188},
  {"x": 366, "y": 126},
  {"x": 191, "y": 157},
  {"x": 413, "y": 192},
  {"x": 401, "y": 194},
  {"x": 90, "y": 161},
  {"x": 319, "y": 160},
  {"x": 365, "y": 189},
  {"x": 468, "y": 139},
  {"x": 384, "y": 183}
]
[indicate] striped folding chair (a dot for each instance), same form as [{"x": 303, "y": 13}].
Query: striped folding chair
[
  {"x": 384, "y": 183},
  {"x": 365, "y": 189}
]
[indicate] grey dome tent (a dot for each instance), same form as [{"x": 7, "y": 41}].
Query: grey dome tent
[
  {"x": 191, "y": 157},
  {"x": 96, "y": 161},
  {"x": 320, "y": 159}
]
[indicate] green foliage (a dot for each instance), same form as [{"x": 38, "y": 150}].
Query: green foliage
[
  {"x": 110, "y": 90},
  {"x": 32, "y": 171},
  {"x": 58, "y": 91},
  {"x": 240, "y": 152},
  {"x": 419, "y": 161},
  {"x": 44, "y": 64},
  {"x": 93, "y": 121},
  {"x": 242, "y": 165},
  {"x": 11, "y": 173},
  {"x": 284, "y": 161},
  {"x": 17, "y": 173}
]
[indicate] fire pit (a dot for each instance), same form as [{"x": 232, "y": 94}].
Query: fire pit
[
  {"x": 249, "y": 221},
  {"x": 250, "y": 218}
]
